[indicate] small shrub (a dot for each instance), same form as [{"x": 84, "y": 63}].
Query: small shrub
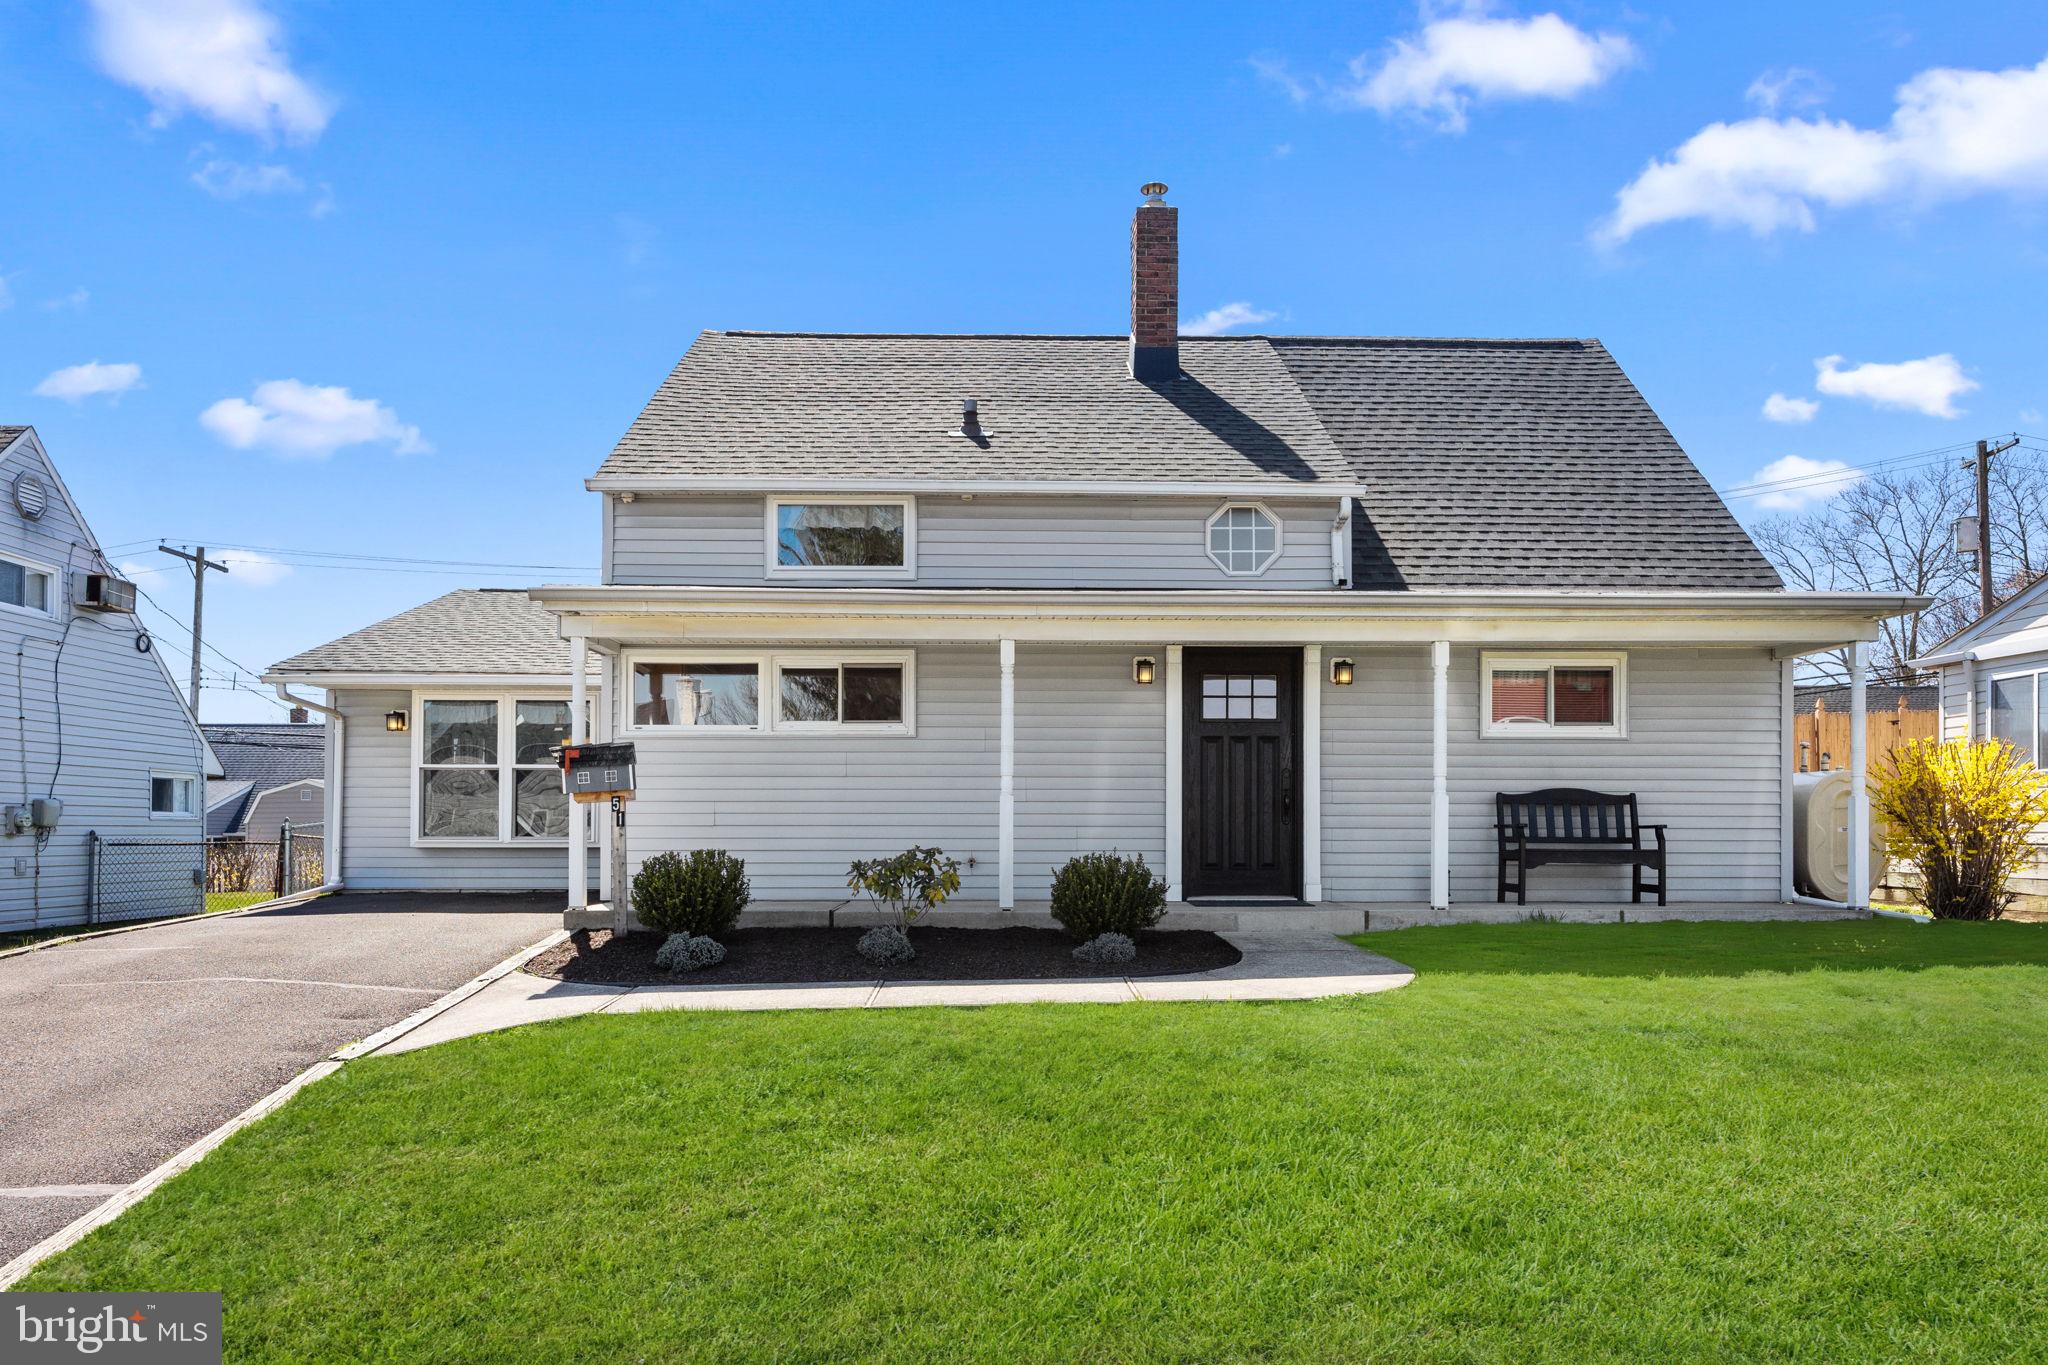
[
  {"x": 698, "y": 893},
  {"x": 1106, "y": 948},
  {"x": 1962, "y": 814},
  {"x": 907, "y": 886},
  {"x": 885, "y": 945},
  {"x": 1107, "y": 893},
  {"x": 689, "y": 953}
]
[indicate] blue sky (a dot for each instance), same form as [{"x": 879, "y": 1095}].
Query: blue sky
[{"x": 390, "y": 279}]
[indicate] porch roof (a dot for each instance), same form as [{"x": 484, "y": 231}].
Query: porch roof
[{"x": 1793, "y": 622}]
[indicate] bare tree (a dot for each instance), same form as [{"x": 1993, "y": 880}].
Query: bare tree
[{"x": 1895, "y": 533}]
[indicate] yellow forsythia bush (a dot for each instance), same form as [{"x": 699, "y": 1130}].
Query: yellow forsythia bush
[{"x": 1963, "y": 814}]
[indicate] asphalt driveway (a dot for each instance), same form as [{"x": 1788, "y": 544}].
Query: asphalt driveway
[{"x": 116, "y": 1053}]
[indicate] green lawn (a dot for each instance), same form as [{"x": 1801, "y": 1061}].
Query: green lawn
[
  {"x": 234, "y": 900},
  {"x": 1667, "y": 1142}
]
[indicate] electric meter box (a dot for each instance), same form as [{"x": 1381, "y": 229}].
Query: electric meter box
[{"x": 597, "y": 772}]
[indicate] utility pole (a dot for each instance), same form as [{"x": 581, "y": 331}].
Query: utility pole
[
  {"x": 1986, "y": 598},
  {"x": 200, "y": 564}
]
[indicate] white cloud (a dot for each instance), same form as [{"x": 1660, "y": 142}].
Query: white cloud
[
  {"x": 1457, "y": 60},
  {"x": 1277, "y": 73},
  {"x": 1217, "y": 321},
  {"x": 1800, "y": 481},
  {"x": 6, "y": 294},
  {"x": 1793, "y": 87},
  {"x": 253, "y": 569},
  {"x": 224, "y": 59},
  {"x": 2031, "y": 416},
  {"x": 76, "y": 299},
  {"x": 1779, "y": 408},
  {"x": 1929, "y": 385},
  {"x": 1954, "y": 133},
  {"x": 75, "y": 382},
  {"x": 296, "y": 420},
  {"x": 233, "y": 180}
]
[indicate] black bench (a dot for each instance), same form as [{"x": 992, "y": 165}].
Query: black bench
[{"x": 1567, "y": 825}]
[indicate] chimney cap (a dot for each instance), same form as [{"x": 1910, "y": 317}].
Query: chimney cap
[{"x": 1154, "y": 191}]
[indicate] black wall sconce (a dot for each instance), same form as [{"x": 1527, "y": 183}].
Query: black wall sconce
[
  {"x": 1143, "y": 669},
  {"x": 1341, "y": 672},
  {"x": 397, "y": 722}
]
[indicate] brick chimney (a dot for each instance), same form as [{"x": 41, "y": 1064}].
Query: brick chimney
[
  {"x": 300, "y": 716},
  {"x": 1155, "y": 287}
]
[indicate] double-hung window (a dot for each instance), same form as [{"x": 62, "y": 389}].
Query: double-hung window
[
  {"x": 485, "y": 769},
  {"x": 797, "y": 692},
  {"x": 1543, "y": 695},
  {"x": 27, "y": 587},
  {"x": 842, "y": 537}
]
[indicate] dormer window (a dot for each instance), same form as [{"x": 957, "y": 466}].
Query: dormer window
[
  {"x": 1244, "y": 539},
  {"x": 853, "y": 537}
]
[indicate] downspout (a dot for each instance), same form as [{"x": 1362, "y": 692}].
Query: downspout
[
  {"x": 1340, "y": 529},
  {"x": 337, "y": 748}
]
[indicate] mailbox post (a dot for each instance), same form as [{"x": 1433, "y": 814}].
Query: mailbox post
[{"x": 593, "y": 774}]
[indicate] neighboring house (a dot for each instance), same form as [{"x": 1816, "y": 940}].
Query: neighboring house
[
  {"x": 1282, "y": 614},
  {"x": 97, "y": 724},
  {"x": 1992, "y": 675},
  {"x": 274, "y": 774}
]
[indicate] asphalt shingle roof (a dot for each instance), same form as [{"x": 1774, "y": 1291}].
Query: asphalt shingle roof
[
  {"x": 765, "y": 406},
  {"x": 1512, "y": 464},
  {"x": 269, "y": 755},
  {"x": 7, "y": 434},
  {"x": 470, "y": 630},
  {"x": 1876, "y": 697}
]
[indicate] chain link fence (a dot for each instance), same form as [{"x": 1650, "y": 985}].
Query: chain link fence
[
  {"x": 144, "y": 879},
  {"x": 136, "y": 879}
]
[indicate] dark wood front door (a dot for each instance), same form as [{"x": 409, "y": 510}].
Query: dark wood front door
[{"x": 1240, "y": 806}]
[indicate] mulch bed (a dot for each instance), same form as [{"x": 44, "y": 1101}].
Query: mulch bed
[{"x": 796, "y": 956}]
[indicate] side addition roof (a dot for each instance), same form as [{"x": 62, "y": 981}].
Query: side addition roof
[{"x": 468, "y": 631}]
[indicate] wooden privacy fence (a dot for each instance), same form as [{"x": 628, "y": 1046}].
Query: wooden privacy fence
[{"x": 1821, "y": 739}]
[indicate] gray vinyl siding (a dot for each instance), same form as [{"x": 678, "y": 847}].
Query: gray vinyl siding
[
  {"x": 1091, "y": 760},
  {"x": 1703, "y": 755},
  {"x": 1007, "y": 542},
  {"x": 377, "y": 848},
  {"x": 1955, "y": 702},
  {"x": 799, "y": 808},
  {"x": 269, "y": 810},
  {"x": 120, "y": 719}
]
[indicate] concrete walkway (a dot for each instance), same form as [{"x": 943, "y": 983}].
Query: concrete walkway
[{"x": 1274, "y": 967}]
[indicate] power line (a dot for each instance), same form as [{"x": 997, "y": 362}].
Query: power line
[
  {"x": 304, "y": 556},
  {"x": 1759, "y": 488}
]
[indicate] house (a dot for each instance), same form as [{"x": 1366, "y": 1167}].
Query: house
[
  {"x": 272, "y": 774},
  {"x": 1991, "y": 679},
  {"x": 101, "y": 778},
  {"x": 1896, "y": 714},
  {"x": 1280, "y": 613}
]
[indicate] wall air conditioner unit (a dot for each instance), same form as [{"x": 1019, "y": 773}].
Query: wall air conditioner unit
[{"x": 104, "y": 592}]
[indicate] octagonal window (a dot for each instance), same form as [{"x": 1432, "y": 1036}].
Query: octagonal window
[{"x": 1244, "y": 539}]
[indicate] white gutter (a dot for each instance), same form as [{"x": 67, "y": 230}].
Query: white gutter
[
  {"x": 754, "y": 483},
  {"x": 337, "y": 734}
]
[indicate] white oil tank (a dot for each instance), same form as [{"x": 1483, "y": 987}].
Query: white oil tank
[{"x": 1820, "y": 837}]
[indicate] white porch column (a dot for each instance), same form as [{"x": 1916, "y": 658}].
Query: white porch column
[
  {"x": 1859, "y": 793},
  {"x": 1312, "y": 773},
  {"x": 606, "y": 832},
  {"x": 579, "y": 697},
  {"x": 1440, "y": 775},
  {"x": 1006, "y": 817},
  {"x": 1788, "y": 764},
  {"x": 1174, "y": 888}
]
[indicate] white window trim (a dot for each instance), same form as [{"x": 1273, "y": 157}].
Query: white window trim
[
  {"x": 768, "y": 665},
  {"x": 1279, "y": 538},
  {"x": 191, "y": 781},
  {"x": 53, "y": 590},
  {"x": 772, "y": 538},
  {"x": 508, "y": 727},
  {"x": 1490, "y": 661}
]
